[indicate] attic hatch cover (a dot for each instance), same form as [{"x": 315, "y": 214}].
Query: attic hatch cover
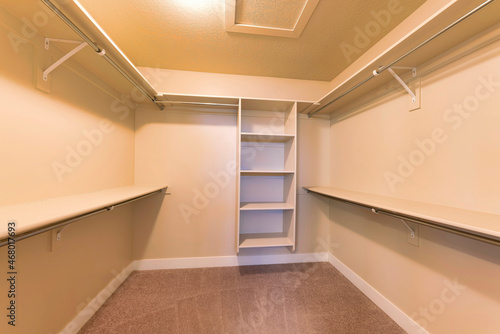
[{"x": 280, "y": 18}]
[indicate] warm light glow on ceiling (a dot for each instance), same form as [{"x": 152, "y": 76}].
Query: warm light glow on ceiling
[{"x": 195, "y": 4}]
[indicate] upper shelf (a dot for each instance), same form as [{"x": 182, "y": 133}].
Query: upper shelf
[
  {"x": 362, "y": 82},
  {"x": 215, "y": 102},
  {"x": 466, "y": 220},
  {"x": 228, "y": 102},
  {"x": 34, "y": 215}
]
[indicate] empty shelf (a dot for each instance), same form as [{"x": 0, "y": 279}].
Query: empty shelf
[
  {"x": 265, "y": 137},
  {"x": 264, "y": 240},
  {"x": 266, "y": 172},
  {"x": 460, "y": 221},
  {"x": 33, "y": 216},
  {"x": 265, "y": 206}
]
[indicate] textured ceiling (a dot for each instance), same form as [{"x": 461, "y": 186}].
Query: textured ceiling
[
  {"x": 172, "y": 34},
  {"x": 269, "y": 13},
  {"x": 190, "y": 35}
]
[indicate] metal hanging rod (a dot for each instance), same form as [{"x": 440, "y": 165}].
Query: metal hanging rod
[
  {"x": 416, "y": 220},
  {"x": 100, "y": 51},
  {"x": 385, "y": 67},
  {"x": 199, "y": 103},
  {"x": 67, "y": 222}
]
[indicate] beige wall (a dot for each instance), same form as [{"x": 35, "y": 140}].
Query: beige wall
[
  {"x": 191, "y": 152},
  {"x": 458, "y": 168},
  {"x": 36, "y": 129}
]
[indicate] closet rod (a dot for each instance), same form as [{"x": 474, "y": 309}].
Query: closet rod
[
  {"x": 417, "y": 220},
  {"x": 200, "y": 103},
  {"x": 100, "y": 51},
  {"x": 62, "y": 223},
  {"x": 383, "y": 68}
]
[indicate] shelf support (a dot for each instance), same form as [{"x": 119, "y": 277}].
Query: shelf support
[
  {"x": 402, "y": 83},
  {"x": 59, "y": 233},
  {"x": 63, "y": 58},
  {"x": 412, "y": 232}
]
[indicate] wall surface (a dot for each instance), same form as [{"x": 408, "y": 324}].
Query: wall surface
[
  {"x": 193, "y": 153},
  {"x": 53, "y": 145},
  {"x": 445, "y": 153}
]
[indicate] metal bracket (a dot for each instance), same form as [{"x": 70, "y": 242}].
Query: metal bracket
[
  {"x": 59, "y": 233},
  {"x": 412, "y": 232},
  {"x": 402, "y": 83},
  {"x": 63, "y": 58},
  {"x": 48, "y": 40}
]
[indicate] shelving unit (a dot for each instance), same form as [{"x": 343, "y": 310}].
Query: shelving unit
[
  {"x": 266, "y": 185},
  {"x": 37, "y": 217}
]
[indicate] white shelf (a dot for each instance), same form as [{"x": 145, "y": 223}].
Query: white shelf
[
  {"x": 201, "y": 101},
  {"x": 466, "y": 220},
  {"x": 264, "y": 240},
  {"x": 35, "y": 215},
  {"x": 266, "y": 172},
  {"x": 265, "y": 137},
  {"x": 265, "y": 206}
]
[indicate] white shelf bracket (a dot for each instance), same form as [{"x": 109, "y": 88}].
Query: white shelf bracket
[
  {"x": 402, "y": 83},
  {"x": 63, "y": 58},
  {"x": 59, "y": 233},
  {"x": 412, "y": 232}
]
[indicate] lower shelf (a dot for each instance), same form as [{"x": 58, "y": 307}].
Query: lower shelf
[{"x": 264, "y": 240}]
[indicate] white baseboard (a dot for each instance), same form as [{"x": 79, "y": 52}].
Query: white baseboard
[
  {"x": 91, "y": 308},
  {"x": 403, "y": 320},
  {"x": 228, "y": 261}
]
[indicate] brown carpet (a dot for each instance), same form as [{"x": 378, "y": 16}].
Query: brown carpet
[{"x": 289, "y": 298}]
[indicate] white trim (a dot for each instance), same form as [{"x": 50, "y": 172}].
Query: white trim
[
  {"x": 300, "y": 24},
  {"x": 228, "y": 261},
  {"x": 84, "y": 315},
  {"x": 396, "y": 314}
]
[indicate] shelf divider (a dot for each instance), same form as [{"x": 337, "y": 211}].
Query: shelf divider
[
  {"x": 266, "y": 172},
  {"x": 264, "y": 240},
  {"x": 266, "y": 137},
  {"x": 247, "y": 206}
]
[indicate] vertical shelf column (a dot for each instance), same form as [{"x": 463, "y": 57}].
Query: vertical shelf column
[
  {"x": 267, "y": 164},
  {"x": 238, "y": 176}
]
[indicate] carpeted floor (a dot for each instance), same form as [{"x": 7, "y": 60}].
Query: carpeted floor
[{"x": 289, "y": 298}]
